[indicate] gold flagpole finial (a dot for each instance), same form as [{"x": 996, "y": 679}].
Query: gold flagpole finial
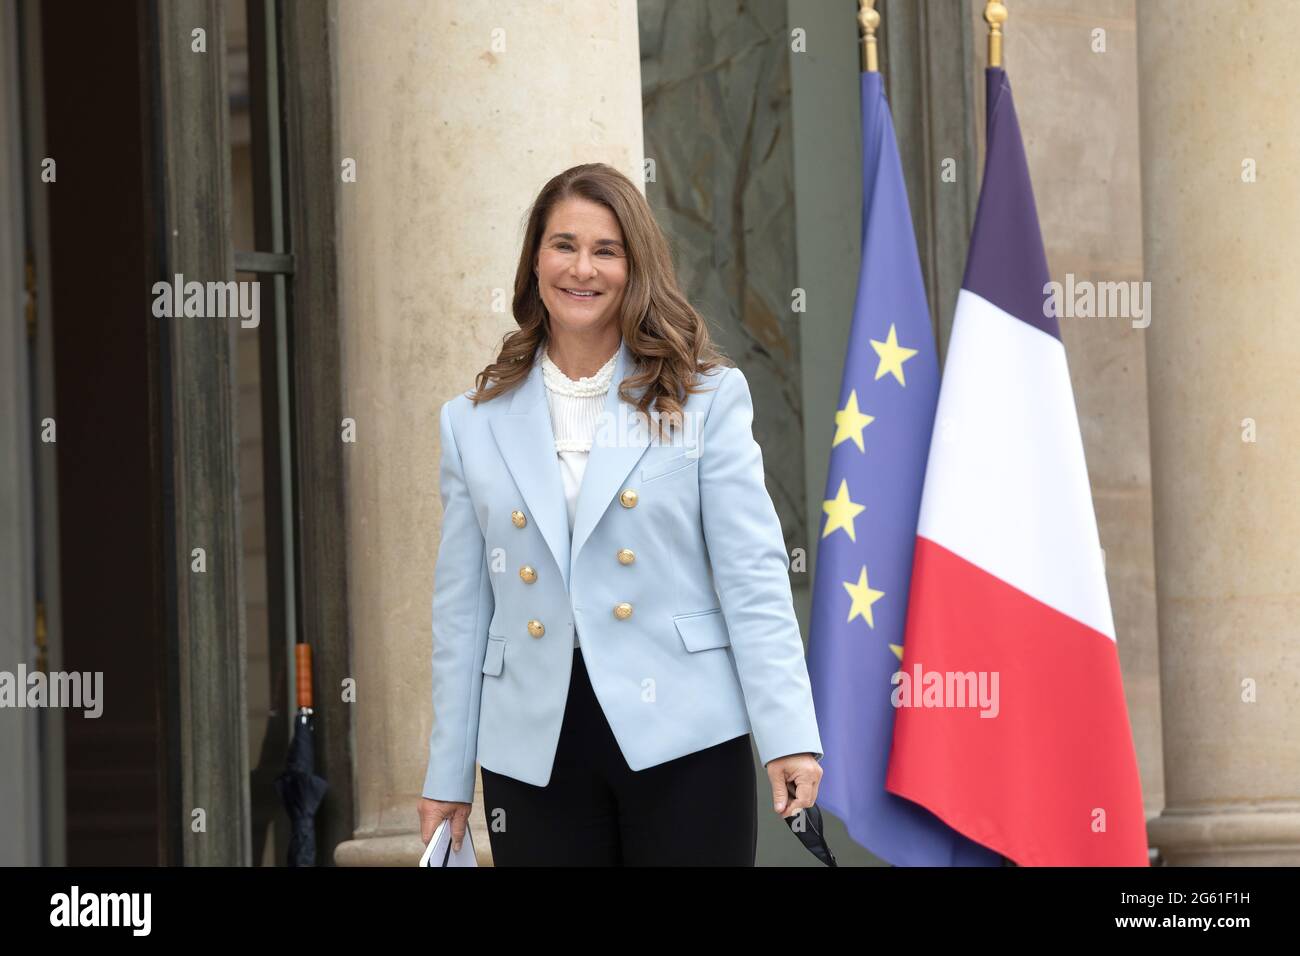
[
  {"x": 995, "y": 14},
  {"x": 868, "y": 20}
]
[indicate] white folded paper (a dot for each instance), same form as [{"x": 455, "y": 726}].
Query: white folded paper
[{"x": 440, "y": 853}]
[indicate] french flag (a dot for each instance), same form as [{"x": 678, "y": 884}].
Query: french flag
[{"x": 1008, "y": 588}]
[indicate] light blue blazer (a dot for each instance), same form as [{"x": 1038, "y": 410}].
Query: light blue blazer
[{"x": 676, "y": 578}]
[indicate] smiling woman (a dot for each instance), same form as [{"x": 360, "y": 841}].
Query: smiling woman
[
  {"x": 594, "y": 269},
  {"x": 581, "y": 271},
  {"x": 608, "y": 689}
]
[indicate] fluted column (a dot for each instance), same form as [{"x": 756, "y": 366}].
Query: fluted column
[
  {"x": 1221, "y": 203},
  {"x": 455, "y": 113}
]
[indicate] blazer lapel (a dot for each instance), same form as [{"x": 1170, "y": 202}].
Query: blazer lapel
[
  {"x": 616, "y": 447},
  {"x": 527, "y": 443}
]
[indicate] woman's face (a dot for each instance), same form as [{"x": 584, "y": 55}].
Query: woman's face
[{"x": 581, "y": 251}]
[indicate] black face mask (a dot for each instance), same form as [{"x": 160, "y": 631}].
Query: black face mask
[{"x": 812, "y": 833}]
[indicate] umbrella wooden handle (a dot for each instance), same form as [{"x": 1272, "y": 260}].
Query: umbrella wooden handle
[{"x": 302, "y": 660}]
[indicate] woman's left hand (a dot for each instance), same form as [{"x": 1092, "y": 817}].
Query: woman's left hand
[{"x": 797, "y": 775}]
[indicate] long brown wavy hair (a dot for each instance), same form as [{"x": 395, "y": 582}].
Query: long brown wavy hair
[{"x": 668, "y": 340}]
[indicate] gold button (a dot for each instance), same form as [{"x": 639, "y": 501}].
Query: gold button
[
  {"x": 535, "y": 628},
  {"x": 528, "y": 574},
  {"x": 625, "y": 556},
  {"x": 518, "y": 518},
  {"x": 623, "y": 611},
  {"x": 628, "y": 498}
]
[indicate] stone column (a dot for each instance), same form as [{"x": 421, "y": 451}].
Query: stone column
[
  {"x": 1221, "y": 201},
  {"x": 456, "y": 114}
]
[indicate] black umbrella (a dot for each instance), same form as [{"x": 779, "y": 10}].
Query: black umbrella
[{"x": 300, "y": 789}]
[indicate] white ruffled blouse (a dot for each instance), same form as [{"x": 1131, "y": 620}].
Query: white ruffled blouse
[{"x": 575, "y": 406}]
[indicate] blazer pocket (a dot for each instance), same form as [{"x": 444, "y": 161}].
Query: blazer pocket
[
  {"x": 701, "y": 630},
  {"x": 667, "y": 466},
  {"x": 495, "y": 657}
]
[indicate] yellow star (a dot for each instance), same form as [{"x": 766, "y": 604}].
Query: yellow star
[
  {"x": 892, "y": 356},
  {"x": 849, "y": 422},
  {"x": 864, "y": 595},
  {"x": 897, "y": 649},
  {"x": 842, "y": 511}
]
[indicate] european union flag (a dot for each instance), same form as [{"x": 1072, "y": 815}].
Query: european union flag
[{"x": 873, "y": 494}]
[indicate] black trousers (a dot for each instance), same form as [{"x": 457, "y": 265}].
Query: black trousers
[{"x": 697, "y": 810}]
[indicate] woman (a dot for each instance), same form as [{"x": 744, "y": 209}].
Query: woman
[{"x": 612, "y": 613}]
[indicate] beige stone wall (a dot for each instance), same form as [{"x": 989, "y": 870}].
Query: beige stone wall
[
  {"x": 456, "y": 114},
  {"x": 1221, "y": 134},
  {"x": 1078, "y": 113}
]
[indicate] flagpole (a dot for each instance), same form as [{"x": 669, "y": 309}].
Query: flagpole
[
  {"x": 868, "y": 20},
  {"x": 995, "y": 14}
]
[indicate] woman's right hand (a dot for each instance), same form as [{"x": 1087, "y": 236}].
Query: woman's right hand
[{"x": 433, "y": 812}]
